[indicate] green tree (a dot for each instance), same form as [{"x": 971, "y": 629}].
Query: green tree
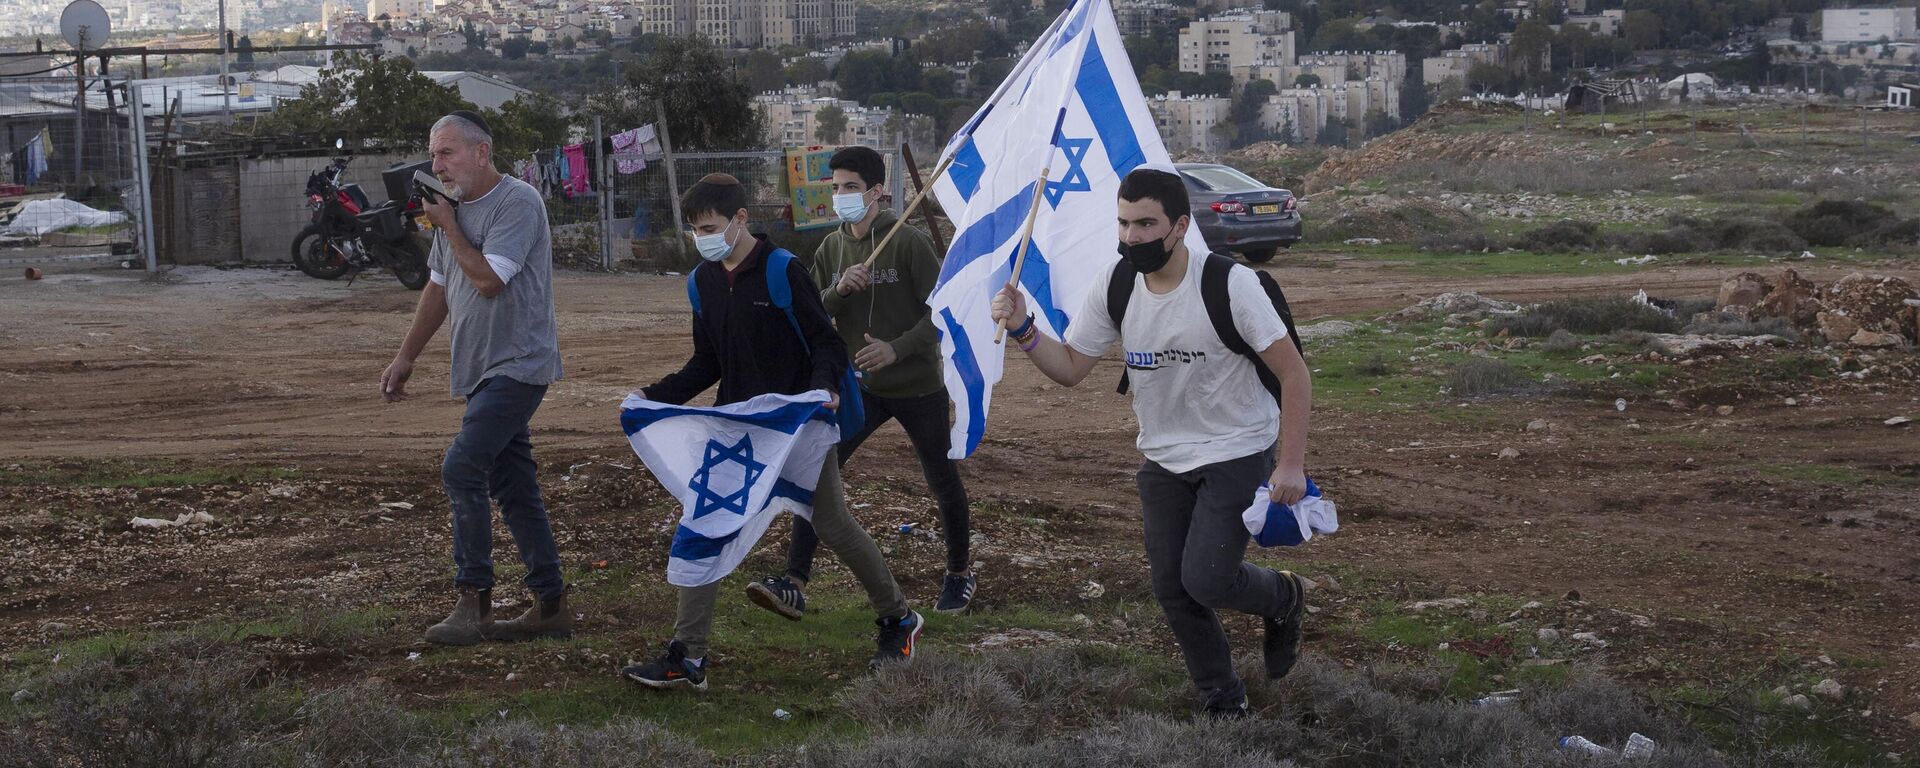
[
  {"x": 764, "y": 72},
  {"x": 1488, "y": 77},
  {"x": 1798, "y": 28},
  {"x": 475, "y": 41},
  {"x": 706, "y": 108},
  {"x": 531, "y": 121},
  {"x": 363, "y": 98},
  {"x": 1642, "y": 29},
  {"x": 829, "y": 123},
  {"x": 1414, "y": 101},
  {"x": 808, "y": 71},
  {"x": 919, "y": 103},
  {"x": 940, "y": 82},
  {"x": 864, "y": 73},
  {"x": 539, "y": 48},
  {"x": 1306, "y": 80},
  {"x": 1335, "y": 133},
  {"x": 243, "y": 58},
  {"x": 1243, "y": 114},
  {"x": 514, "y": 48},
  {"x": 1530, "y": 43},
  {"x": 1379, "y": 123}
]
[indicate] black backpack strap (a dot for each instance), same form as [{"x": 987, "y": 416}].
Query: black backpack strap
[
  {"x": 1119, "y": 292},
  {"x": 1219, "y": 302}
]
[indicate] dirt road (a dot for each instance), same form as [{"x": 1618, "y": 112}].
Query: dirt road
[{"x": 1690, "y": 524}]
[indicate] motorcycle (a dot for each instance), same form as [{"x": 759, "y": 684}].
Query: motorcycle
[{"x": 348, "y": 235}]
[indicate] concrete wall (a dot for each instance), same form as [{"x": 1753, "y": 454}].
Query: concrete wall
[{"x": 273, "y": 201}]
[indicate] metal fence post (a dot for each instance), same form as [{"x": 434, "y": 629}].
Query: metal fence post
[
  {"x": 142, "y": 174},
  {"x": 606, "y": 196},
  {"x": 673, "y": 180}
]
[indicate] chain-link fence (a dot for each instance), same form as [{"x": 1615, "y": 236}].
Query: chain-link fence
[
  {"x": 648, "y": 237},
  {"x": 68, "y": 168}
]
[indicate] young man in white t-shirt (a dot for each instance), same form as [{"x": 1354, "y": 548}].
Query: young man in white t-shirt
[{"x": 1208, "y": 429}]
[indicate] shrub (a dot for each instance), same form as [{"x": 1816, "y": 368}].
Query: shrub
[
  {"x": 1839, "y": 222},
  {"x": 1598, "y": 316},
  {"x": 1729, "y": 326},
  {"x": 1376, "y": 364},
  {"x": 1480, "y": 377},
  {"x": 1560, "y": 341},
  {"x": 1528, "y": 324},
  {"x": 1565, "y": 236},
  {"x": 1664, "y": 242}
]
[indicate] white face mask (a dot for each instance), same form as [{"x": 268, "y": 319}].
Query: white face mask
[
  {"x": 851, "y": 206},
  {"x": 714, "y": 247}
]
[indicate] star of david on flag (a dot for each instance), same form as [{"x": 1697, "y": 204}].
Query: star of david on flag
[
  {"x": 733, "y": 468},
  {"x": 1073, "y": 107}
]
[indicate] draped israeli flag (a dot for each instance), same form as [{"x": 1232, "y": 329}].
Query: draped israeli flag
[
  {"x": 734, "y": 469},
  {"x": 1073, "y": 107}
]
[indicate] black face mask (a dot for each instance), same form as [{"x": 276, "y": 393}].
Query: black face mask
[{"x": 1148, "y": 257}]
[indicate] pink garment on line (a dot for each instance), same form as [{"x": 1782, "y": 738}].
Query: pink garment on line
[{"x": 576, "y": 184}]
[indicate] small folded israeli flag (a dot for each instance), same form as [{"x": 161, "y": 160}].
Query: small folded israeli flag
[
  {"x": 734, "y": 468},
  {"x": 1278, "y": 525}
]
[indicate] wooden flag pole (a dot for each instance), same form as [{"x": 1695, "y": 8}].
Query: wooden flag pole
[
  {"x": 1026, "y": 238},
  {"x": 915, "y": 203}
]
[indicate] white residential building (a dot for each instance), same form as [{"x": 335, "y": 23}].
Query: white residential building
[
  {"x": 1237, "y": 39},
  {"x": 1456, "y": 63},
  {"x": 1190, "y": 123},
  {"x": 748, "y": 23},
  {"x": 1603, "y": 24},
  {"x": 1867, "y": 25}
]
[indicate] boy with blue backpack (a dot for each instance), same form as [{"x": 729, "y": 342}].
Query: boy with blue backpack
[{"x": 759, "y": 328}]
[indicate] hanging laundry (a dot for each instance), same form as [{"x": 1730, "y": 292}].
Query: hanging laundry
[
  {"x": 576, "y": 170},
  {"x": 36, "y": 164},
  {"x": 628, "y": 157}
]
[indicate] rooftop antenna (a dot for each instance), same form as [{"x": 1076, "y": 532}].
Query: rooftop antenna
[{"x": 84, "y": 25}]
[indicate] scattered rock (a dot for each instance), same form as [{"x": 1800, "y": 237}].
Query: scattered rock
[
  {"x": 1914, "y": 720},
  {"x": 1331, "y": 329},
  {"x": 54, "y": 627},
  {"x": 22, "y": 696},
  {"x": 1450, "y": 603},
  {"x": 1327, "y": 582},
  {"x": 1897, "y": 421},
  {"x": 1363, "y": 241},
  {"x": 1092, "y": 591},
  {"x": 1509, "y": 453},
  {"x": 1830, "y": 689},
  {"x": 1548, "y": 635},
  {"x": 1746, "y": 289},
  {"x": 1869, "y": 303},
  {"x": 1794, "y": 298},
  {"x": 1572, "y": 596},
  {"x": 1693, "y": 345},
  {"x": 1877, "y": 340},
  {"x": 1590, "y": 639},
  {"x": 1798, "y": 701},
  {"x": 1454, "y": 304},
  {"x": 1725, "y": 410},
  {"x": 1539, "y": 425}
]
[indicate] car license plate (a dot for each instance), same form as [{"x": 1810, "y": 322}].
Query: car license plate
[{"x": 1264, "y": 209}]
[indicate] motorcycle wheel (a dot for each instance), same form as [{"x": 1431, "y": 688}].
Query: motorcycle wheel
[
  {"x": 411, "y": 267},
  {"x": 315, "y": 255}
]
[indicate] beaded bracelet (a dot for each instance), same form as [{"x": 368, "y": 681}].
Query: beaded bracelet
[{"x": 1024, "y": 328}]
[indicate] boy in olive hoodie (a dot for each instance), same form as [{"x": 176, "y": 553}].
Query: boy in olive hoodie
[{"x": 881, "y": 311}]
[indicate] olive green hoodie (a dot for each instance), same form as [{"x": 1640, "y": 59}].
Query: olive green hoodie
[{"x": 893, "y": 308}]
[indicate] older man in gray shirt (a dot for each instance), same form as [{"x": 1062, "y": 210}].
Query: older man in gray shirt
[{"x": 492, "y": 273}]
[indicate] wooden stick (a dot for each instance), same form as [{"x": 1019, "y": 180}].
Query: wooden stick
[
  {"x": 1026, "y": 238},
  {"x": 926, "y": 215},
  {"x": 915, "y": 203}
]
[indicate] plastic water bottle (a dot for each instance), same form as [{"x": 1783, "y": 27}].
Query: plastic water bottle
[{"x": 1579, "y": 744}]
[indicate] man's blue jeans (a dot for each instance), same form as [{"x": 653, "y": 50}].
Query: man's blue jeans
[{"x": 492, "y": 459}]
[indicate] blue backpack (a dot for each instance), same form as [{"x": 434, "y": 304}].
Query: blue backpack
[{"x": 851, "y": 416}]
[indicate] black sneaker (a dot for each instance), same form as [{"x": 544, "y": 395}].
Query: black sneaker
[
  {"x": 669, "y": 671},
  {"x": 1233, "y": 710},
  {"x": 898, "y": 636},
  {"x": 780, "y": 595},
  {"x": 956, "y": 593},
  {"x": 1284, "y": 633}
]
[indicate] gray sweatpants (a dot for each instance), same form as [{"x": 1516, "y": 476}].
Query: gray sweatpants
[
  {"x": 693, "y": 621},
  {"x": 1196, "y": 550}
]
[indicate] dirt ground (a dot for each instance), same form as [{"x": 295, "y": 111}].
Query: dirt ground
[{"x": 1672, "y": 519}]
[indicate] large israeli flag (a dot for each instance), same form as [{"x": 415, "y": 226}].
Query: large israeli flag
[
  {"x": 734, "y": 468},
  {"x": 1073, "y": 107}
]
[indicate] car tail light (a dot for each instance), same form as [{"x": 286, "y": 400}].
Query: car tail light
[
  {"x": 1229, "y": 206},
  {"x": 1291, "y": 204}
]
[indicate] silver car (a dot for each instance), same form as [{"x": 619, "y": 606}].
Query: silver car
[{"x": 1239, "y": 214}]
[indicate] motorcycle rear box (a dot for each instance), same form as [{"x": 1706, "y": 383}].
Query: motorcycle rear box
[{"x": 399, "y": 178}]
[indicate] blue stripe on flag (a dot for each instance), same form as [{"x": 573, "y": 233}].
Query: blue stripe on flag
[
  {"x": 787, "y": 418},
  {"x": 689, "y": 544},
  {"x": 967, "y": 169},
  {"x": 987, "y": 234},
  {"x": 787, "y": 489},
  {"x": 1037, "y": 276},
  {"x": 1108, "y": 114},
  {"x": 968, "y": 368},
  {"x": 1074, "y": 25}
]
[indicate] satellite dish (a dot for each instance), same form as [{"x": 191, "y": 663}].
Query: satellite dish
[{"x": 84, "y": 24}]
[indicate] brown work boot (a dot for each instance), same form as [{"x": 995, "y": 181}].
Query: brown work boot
[
  {"x": 472, "y": 612},
  {"x": 545, "y": 618}
]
